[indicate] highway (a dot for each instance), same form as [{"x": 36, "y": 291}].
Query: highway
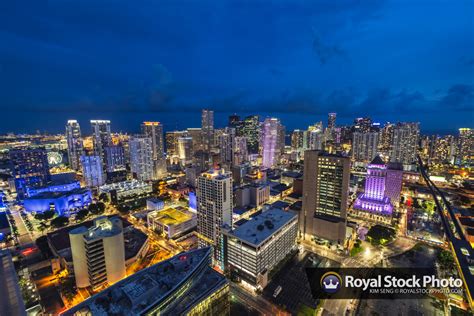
[{"x": 460, "y": 247}]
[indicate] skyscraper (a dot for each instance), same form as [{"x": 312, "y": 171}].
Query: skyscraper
[
  {"x": 92, "y": 170},
  {"x": 114, "y": 158},
  {"x": 466, "y": 144},
  {"x": 325, "y": 191},
  {"x": 373, "y": 199},
  {"x": 226, "y": 145},
  {"x": 240, "y": 150},
  {"x": 207, "y": 126},
  {"x": 332, "y": 120},
  {"x": 185, "y": 150},
  {"x": 251, "y": 130},
  {"x": 154, "y": 130},
  {"x": 272, "y": 131},
  {"x": 196, "y": 135},
  {"x": 405, "y": 143},
  {"x": 141, "y": 158},
  {"x": 98, "y": 253},
  {"x": 214, "y": 210},
  {"x": 74, "y": 144},
  {"x": 101, "y": 138},
  {"x": 172, "y": 142},
  {"x": 30, "y": 168},
  {"x": 364, "y": 146}
]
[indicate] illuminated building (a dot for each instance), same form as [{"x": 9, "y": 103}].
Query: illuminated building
[
  {"x": 11, "y": 300},
  {"x": 393, "y": 182},
  {"x": 114, "y": 158},
  {"x": 364, "y": 146},
  {"x": 253, "y": 195},
  {"x": 185, "y": 150},
  {"x": 251, "y": 130},
  {"x": 182, "y": 285},
  {"x": 253, "y": 249},
  {"x": 226, "y": 143},
  {"x": 75, "y": 148},
  {"x": 298, "y": 140},
  {"x": 101, "y": 138},
  {"x": 234, "y": 120},
  {"x": 62, "y": 202},
  {"x": 325, "y": 192},
  {"x": 405, "y": 143},
  {"x": 214, "y": 209},
  {"x": 373, "y": 199},
  {"x": 172, "y": 142},
  {"x": 171, "y": 222},
  {"x": 122, "y": 190},
  {"x": 363, "y": 124},
  {"x": 273, "y": 137},
  {"x": 98, "y": 253},
  {"x": 332, "y": 120},
  {"x": 92, "y": 170},
  {"x": 466, "y": 144},
  {"x": 207, "y": 127},
  {"x": 141, "y": 158},
  {"x": 386, "y": 134},
  {"x": 154, "y": 130},
  {"x": 240, "y": 151},
  {"x": 443, "y": 149},
  {"x": 196, "y": 135},
  {"x": 30, "y": 169}
]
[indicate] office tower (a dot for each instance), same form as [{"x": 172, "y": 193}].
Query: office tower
[
  {"x": 196, "y": 135},
  {"x": 185, "y": 150},
  {"x": 30, "y": 168},
  {"x": 251, "y": 130},
  {"x": 260, "y": 244},
  {"x": 364, "y": 146},
  {"x": 182, "y": 285},
  {"x": 142, "y": 165},
  {"x": 374, "y": 199},
  {"x": 214, "y": 210},
  {"x": 393, "y": 182},
  {"x": 363, "y": 124},
  {"x": 298, "y": 140},
  {"x": 234, "y": 120},
  {"x": 442, "y": 149},
  {"x": 272, "y": 141},
  {"x": 154, "y": 130},
  {"x": 332, "y": 120},
  {"x": 405, "y": 143},
  {"x": 98, "y": 253},
  {"x": 92, "y": 171},
  {"x": 101, "y": 138},
  {"x": 207, "y": 126},
  {"x": 466, "y": 144},
  {"x": 172, "y": 142},
  {"x": 226, "y": 145},
  {"x": 74, "y": 144},
  {"x": 114, "y": 158},
  {"x": 325, "y": 191},
  {"x": 240, "y": 150}
]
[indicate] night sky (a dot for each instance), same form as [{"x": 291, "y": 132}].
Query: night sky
[{"x": 130, "y": 61}]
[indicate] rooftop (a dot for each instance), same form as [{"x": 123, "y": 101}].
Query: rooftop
[
  {"x": 171, "y": 215},
  {"x": 57, "y": 194},
  {"x": 261, "y": 227},
  {"x": 123, "y": 186},
  {"x": 148, "y": 287},
  {"x": 103, "y": 227}
]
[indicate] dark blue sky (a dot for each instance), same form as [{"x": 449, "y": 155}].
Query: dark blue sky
[{"x": 130, "y": 61}]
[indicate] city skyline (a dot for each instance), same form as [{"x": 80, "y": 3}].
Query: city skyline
[{"x": 299, "y": 63}]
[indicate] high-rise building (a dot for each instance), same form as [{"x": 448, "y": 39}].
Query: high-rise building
[
  {"x": 466, "y": 144},
  {"x": 101, "y": 138},
  {"x": 182, "y": 285},
  {"x": 207, "y": 126},
  {"x": 251, "y": 130},
  {"x": 11, "y": 299},
  {"x": 443, "y": 149},
  {"x": 272, "y": 131},
  {"x": 226, "y": 145},
  {"x": 363, "y": 124},
  {"x": 298, "y": 140},
  {"x": 315, "y": 136},
  {"x": 393, "y": 182},
  {"x": 114, "y": 158},
  {"x": 234, "y": 120},
  {"x": 332, "y": 120},
  {"x": 141, "y": 158},
  {"x": 214, "y": 210},
  {"x": 172, "y": 142},
  {"x": 260, "y": 244},
  {"x": 373, "y": 199},
  {"x": 185, "y": 150},
  {"x": 405, "y": 143},
  {"x": 325, "y": 192},
  {"x": 98, "y": 253},
  {"x": 75, "y": 148},
  {"x": 92, "y": 171},
  {"x": 364, "y": 146},
  {"x": 240, "y": 150},
  {"x": 30, "y": 168},
  {"x": 154, "y": 130},
  {"x": 196, "y": 135}
]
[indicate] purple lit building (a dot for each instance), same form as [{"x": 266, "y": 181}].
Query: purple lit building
[
  {"x": 374, "y": 199},
  {"x": 273, "y": 141}
]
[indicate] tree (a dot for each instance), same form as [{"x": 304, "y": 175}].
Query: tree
[
  {"x": 104, "y": 197},
  {"x": 445, "y": 259},
  {"x": 101, "y": 207},
  {"x": 59, "y": 221},
  {"x": 42, "y": 227},
  {"x": 82, "y": 214}
]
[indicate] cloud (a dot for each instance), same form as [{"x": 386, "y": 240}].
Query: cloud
[
  {"x": 459, "y": 97},
  {"x": 324, "y": 51}
]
